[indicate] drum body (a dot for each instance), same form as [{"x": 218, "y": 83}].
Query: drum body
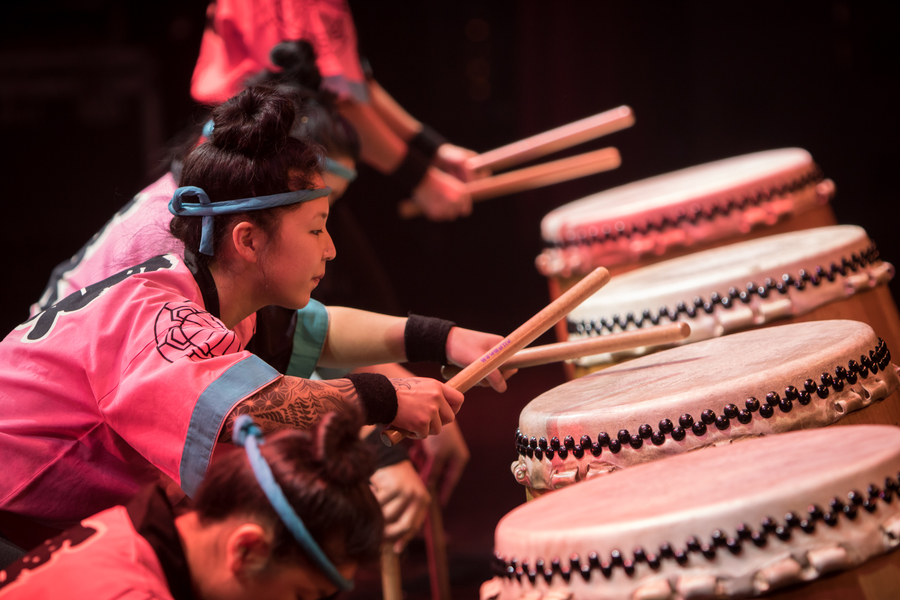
[
  {"x": 719, "y": 201},
  {"x": 736, "y": 387},
  {"x": 732, "y": 522},
  {"x": 817, "y": 274},
  {"x": 685, "y": 211}
]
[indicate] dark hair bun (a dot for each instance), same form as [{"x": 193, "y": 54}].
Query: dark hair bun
[
  {"x": 344, "y": 459},
  {"x": 297, "y": 60},
  {"x": 255, "y": 123}
]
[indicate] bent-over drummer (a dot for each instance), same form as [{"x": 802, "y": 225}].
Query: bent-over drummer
[
  {"x": 292, "y": 518},
  {"x": 147, "y": 370}
]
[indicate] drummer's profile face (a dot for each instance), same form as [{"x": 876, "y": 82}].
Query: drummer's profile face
[
  {"x": 232, "y": 559},
  {"x": 297, "y": 256}
]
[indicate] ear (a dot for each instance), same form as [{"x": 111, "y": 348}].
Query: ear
[
  {"x": 247, "y": 549},
  {"x": 249, "y": 241}
]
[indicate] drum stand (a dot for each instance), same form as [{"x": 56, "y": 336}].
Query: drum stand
[{"x": 436, "y": 548}]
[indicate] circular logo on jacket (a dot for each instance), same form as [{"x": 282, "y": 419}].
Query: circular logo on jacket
[{"x": 182, "y": 329}]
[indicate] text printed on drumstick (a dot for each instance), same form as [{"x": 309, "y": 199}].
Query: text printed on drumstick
[{"x": 497, "y": 349}]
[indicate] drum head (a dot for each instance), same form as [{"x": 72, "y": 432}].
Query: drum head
[
  {"x": 761, "y": 382},
  {"x": 737, "y": 286},
  {"x": 723, "y": 522},
  {"x": 623, "y": 223}
]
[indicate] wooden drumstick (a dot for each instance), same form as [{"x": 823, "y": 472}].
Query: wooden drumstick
[
  {"x": 391, "y": 588},
  {"x": 551, "y": 141},
  {"x": 518, "y": 339},
  {"x": 534, "y": 177},
  {"x": 614, "y": 342}
]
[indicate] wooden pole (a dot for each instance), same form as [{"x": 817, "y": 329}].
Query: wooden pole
[{"x": 391, "y": 586}]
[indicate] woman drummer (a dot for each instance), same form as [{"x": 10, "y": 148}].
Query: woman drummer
[
  {"x": 236, "y": 47},
  {"x": 289, "y": 342},
  {"x": 238, "y": 540},
  {"x": 146, "y": 371}
]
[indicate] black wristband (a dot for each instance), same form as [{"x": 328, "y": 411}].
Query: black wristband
[
  {"x": 366, "y": 68},
  {"x": 385, "y": 456},
  {"x": 412, "y": 170},
  {"x": 427, "y": 141},
  {"x": 378, "y": 396},
  {"x": 426, "y": 338}
]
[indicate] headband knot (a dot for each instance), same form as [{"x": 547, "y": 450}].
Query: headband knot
[{"x": 206, "y": 208}]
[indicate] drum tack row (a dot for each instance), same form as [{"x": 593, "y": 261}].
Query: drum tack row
[{"x": 792, "y": 327}]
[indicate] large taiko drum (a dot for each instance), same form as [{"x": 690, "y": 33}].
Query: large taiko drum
[
  {"x": 769, "y": 516},
  {"x": 745, "y": 385},
  {"x": 823, "y": 273},
  {"x": 684, "y": 211}
]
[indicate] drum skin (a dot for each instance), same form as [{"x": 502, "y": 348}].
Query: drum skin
[
  {"x": 686, "y": 211},
  {"x": 820, "y": 216},
  {"x": 816, "y": 274},
  {"x": 715, "y": 392},
  {"x": 736, "y": 521}
]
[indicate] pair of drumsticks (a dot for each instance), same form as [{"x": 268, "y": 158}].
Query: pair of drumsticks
[
  {"x": 508, "y": 353},
  {"x": 537, "y": 146}
]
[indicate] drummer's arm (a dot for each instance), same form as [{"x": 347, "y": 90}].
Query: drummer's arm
[
  {"x": 441, "y": 196},
  {"x": 420, "y": 405},
  {"x": 447, "y": 156},
  {"x": 294, "y": 403},
  {"x": 380, "y": 146},
  {"x": 358, "y": 338},
  {"x": 395, "y": 116}
]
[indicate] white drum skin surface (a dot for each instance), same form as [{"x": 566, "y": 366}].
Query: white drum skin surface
[
  {"x": 736, "y": 287},
  {"x": 735, "y": 521},
  {"x": 701, "y": 204},
  {"x": 746, "y": 385}
]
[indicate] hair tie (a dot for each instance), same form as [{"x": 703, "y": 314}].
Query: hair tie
[
  {"x": 205, "y": 208},
  {"x": 208, "y": 128},
  {"x": 250, "y": 436}
]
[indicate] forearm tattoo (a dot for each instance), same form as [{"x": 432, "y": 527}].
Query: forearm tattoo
[{"x": 293, "y": 403}]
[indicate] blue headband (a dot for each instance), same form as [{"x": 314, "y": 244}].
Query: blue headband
[
  {"x": 330, "y": 165},
  {"x": 206, "y": 208},
  {"x": 336, "y": 168},
  {"x": 248, "y": 435}
]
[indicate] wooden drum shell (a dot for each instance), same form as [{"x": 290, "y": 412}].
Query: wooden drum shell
[
  {"x": 825, "y": 502},
  {"x": 876, "y": 579},
  {"x": 714, "y": 379}
]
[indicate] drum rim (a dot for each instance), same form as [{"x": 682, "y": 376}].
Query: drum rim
[
  {"x": 719, "y": 539},
  {"x": 746, "y": 195},
  {"x": 540, "y": 448},
  {"x": 867, "y": 257}
]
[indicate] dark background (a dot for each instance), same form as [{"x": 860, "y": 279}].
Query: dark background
[{"x": 90, "y": 90}]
